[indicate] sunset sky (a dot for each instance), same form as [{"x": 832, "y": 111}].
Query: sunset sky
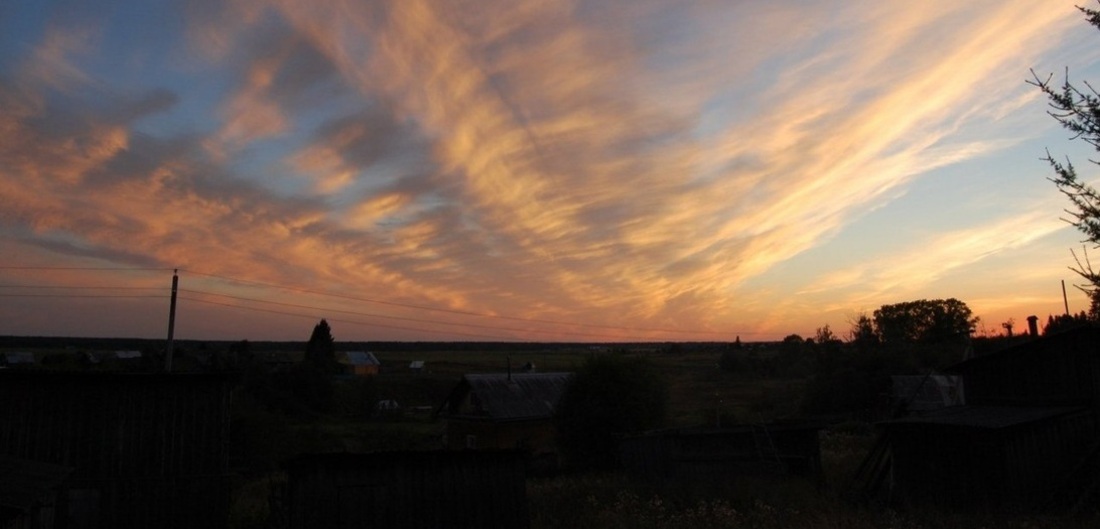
[{"x": 535, "y": 170}]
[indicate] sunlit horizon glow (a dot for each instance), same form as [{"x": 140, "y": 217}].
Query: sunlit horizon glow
[{"x": 530, "y": 170}]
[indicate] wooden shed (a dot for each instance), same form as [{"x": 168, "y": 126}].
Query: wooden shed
[
  {"x": 146, "y": 450},
  {"x": 360, "y": 363},
  {"x": 1027, "y": 438},
  {"x": 1055, "y": 370},
  {"x": 407, "y": 490},
  {"x": 504, "y": 411},
  {"x": 980, "y": 456}
]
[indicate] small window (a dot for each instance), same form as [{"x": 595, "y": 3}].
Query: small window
[{"x": 471, "y": 441}]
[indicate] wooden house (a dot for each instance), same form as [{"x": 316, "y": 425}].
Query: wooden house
[
  {"x": 146, "y": 450},
  {"x": 19, "y": 359},
  {"x": 504, "y": 411},
  {"x": 406, "y": 490},
  {"x": 359, "y": 363},
  {"x": 1027, "y": 437}
]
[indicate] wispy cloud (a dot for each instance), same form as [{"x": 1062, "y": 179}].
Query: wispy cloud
[
  {"x": 611, "y": 161},
  {"x": 935, "y": 256}
]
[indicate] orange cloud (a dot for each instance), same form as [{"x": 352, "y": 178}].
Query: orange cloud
[{"x": 633, "y": 162}]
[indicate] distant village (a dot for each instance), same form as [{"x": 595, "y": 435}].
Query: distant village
[{"x": 93, "y": 438}]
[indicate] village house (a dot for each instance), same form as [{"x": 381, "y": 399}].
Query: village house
[
  {"x": 504, "y": 411},
  {"x": 359, "y": 363},
  {"x": 18, "y": 359},
  {"x": 1026, "y": 438}
]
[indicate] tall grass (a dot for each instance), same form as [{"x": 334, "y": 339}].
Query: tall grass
[{"x": 757, "y": 502}]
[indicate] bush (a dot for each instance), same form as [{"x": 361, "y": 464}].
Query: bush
[{"x": 608, "y": 396}]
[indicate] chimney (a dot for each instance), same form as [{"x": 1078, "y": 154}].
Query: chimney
[{"x": 1033, "y": 326}]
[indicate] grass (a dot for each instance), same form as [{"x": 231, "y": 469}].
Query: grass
[{"x": 613, "y": 501}]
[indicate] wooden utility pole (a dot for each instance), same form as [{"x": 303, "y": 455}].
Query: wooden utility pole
[
  {"x": 171, "y": 322},
  {"x": 1065, "y": 300}
]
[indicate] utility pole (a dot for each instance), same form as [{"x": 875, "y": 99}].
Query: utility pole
[
  {"x": 171, "y": 322},
  {"x": 1065, "y": 300}
]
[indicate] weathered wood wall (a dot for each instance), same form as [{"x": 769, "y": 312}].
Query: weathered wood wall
[
  {"x": 148, "y": 450},
  {"x": 1059, "y": 369},
  {"x": 1014, "y": 467}
]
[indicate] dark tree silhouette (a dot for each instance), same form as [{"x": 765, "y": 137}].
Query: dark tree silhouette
[
  {"x": 321, "y": 349},
  {"x": 608, "y": 396},
  {"x": 1077, "y": 108},
  {"x": 862, "y": 335},
  {"x": 924, "y": 322}
]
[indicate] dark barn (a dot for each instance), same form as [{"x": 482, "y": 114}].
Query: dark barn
[
  {"x": 1055, "y": 370},
  {"x": 723, "y": 454},
  {"x": 407, "y": 490},
  {"x": 1026, "y": 439},
  {"x": 977, "y": 456},
  {"x": 146, "y": 450},
  {"x": 504, "y": 412}
]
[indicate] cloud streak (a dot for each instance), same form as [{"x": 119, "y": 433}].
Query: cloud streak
[{"x": 585, "y": 161}]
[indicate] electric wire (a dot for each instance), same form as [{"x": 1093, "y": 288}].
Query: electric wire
[
  {"x": 338, "y": 320},
  {"x": 341, "y": 311},
  {"x": 153, "y": 296},
  {"x": 401, "y": 318},
  {"x": 105, "y": 268},
  {"x": 455, "y": 311},
  {"x": 72, "y": 287}
]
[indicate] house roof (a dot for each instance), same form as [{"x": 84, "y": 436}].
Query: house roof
[
  {"x": 985, "y": 417},
  {"x": 926, "y": 392},
  {"x": 509, "y": 397},
  {"x": 19, "y": 358},
  {"x": 360, "y": 358},
  {"x": 1084, "y": 338}
]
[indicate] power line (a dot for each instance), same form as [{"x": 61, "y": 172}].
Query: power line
[
  {"x": 402, "y": 318},
  {"x": 349, "y": 298},
  {"x": 72, "y": 287},
  {"x": 106, "y": 268},
  {"x": 461, "y": 312},
  {"x": 337, "y": 320},
  {"x": 82, "y": 296}
]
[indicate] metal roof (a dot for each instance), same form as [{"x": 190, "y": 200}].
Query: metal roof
[
  {"x": 931, "y": 392},
  {"x": 985, "y": 417},
  {"x": 127, "y": 355},
  {"x": 360, "y": 358},
  {"x": 518, "y": 396},
  {"x": 19, "y": 358}
]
